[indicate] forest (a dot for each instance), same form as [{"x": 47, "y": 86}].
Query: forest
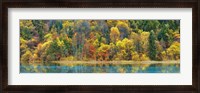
[{"x": 99, "y": 40}]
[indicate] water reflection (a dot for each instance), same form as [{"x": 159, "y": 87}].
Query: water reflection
[{"x": 101, "y": 68}]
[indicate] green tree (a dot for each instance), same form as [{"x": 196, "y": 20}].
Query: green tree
[
  {"x": 39, "y": 27},
  {"x": 26, "y": 29},
  {"x": 163, "y": 34},
  {"x": 152, "y": 46}
]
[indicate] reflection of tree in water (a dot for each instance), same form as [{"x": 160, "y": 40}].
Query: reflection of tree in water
[{"x": 101, "y": 68}]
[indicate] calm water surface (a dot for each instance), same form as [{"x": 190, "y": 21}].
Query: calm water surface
[{"x": 109, "y": 68}]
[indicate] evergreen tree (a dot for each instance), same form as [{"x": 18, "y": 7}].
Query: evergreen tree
[
  {"x": 152, "y": 46},
  {"x": 39, "y": 28},
  {"x": 163, "y": 34}
]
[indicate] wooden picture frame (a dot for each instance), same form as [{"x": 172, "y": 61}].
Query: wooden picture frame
[{"x": 194, "y": 4}]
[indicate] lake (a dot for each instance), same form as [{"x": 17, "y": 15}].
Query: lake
[{"x": 101, "y": 68}]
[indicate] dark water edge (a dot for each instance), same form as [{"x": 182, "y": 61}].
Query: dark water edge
[{"x": 97, "y": 68}]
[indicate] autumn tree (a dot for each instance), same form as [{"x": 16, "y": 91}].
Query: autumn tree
[
  {"x": 174, "y": 51},
  {"x": 82, "y": 30},
  {"x": 135, "y": 38},
  {"x": 68, "y": 27},
  {"x": 105, "y": 31},
  {"x": 128, "y": 48},
  {"x": 124, "y": 29},
  {"x": 114, "y": 34},
  {"x": 113, "y": 51},
  {"x": 144, "y": 42},
  {"x": 103, "y": 40},
  {"x": 111, "y": 23},
  {"x": 103, "y": 52}
]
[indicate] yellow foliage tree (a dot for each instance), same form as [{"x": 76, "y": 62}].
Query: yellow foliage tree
[
  {"x": 135, "y": 56},
  {"x": 26, "y": 24},
  {"x": 60, "y": 43},
  {"x": 139, "y": 57},
  {"x": 103, "y": 52},
  {"x": 124, "y": 29},
  {"x": 23, "y": 46},
  {"x": 26, "y": 56},
  {"x": 124, "y": 49},
  {"x": 112, "y": 23},
  {"x": 144, "y": 41},
  {"x": 114, "y": 34},
  {"x": 120, "y": 45},
  {"x": 128, "y": 43},
  {"x": 135, "y": 38},
  {"x": 174, "y": 51},
  {"x": 144, "y": 57}
]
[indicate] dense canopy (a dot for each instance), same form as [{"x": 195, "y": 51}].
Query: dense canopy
[{"x": 99, "y": 40}]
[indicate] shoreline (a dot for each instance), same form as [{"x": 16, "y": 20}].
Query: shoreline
[
  {"x": 106, "y": 62},
  {"x": 116, "y": 62}
]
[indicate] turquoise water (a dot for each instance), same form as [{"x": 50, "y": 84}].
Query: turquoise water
[{"x": 127, "y": 68}]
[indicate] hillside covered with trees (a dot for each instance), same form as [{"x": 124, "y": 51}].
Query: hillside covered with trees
[{"x": 99, "y": 40}]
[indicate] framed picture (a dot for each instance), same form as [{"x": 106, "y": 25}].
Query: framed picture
[{"x": 95, "y": 46}]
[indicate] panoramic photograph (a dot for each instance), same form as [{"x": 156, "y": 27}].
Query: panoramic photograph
[{"x": 99, "y": 46}]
